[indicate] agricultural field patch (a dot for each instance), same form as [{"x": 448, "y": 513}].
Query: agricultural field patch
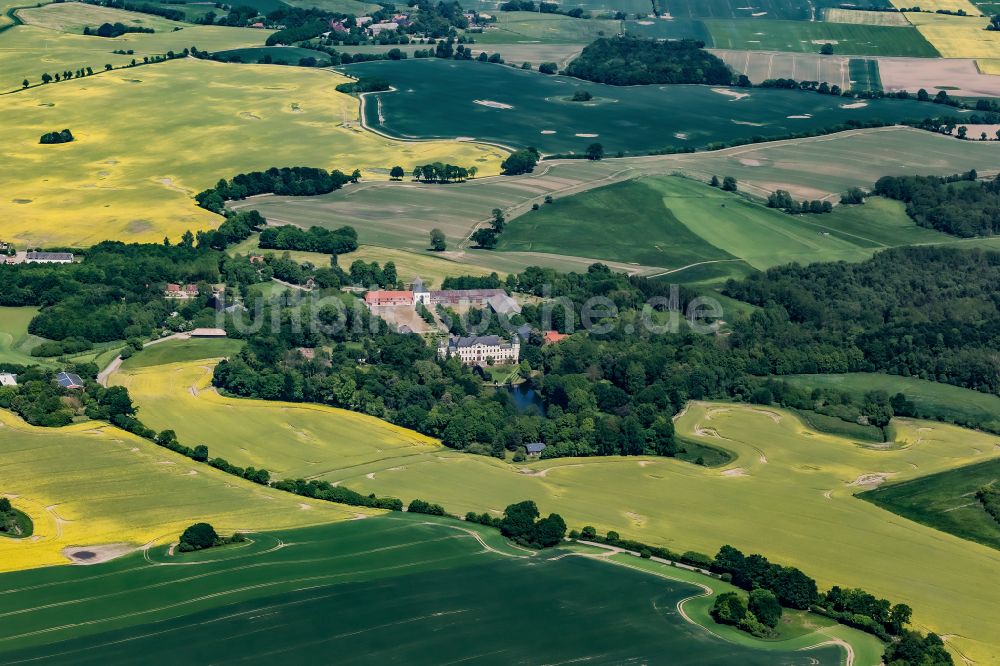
[
  {"x": 946, "y": 501},
  {"x": 941, "y": 5},
  {"x": 791, "y": 475},
  {"x": 660, "y": 28},
  {"x": 89, "y": 485},
  {"x": 288, "y": 439},
  {"x": 535, "y": 110},
  {"x": 761, "y": 65},
  {"x": 808, "y": 37},
  {"x": 762, "y": 9},
  {"x": 356, "y": 7},
  {"x": 278, "y": 55},
  {"x": 958, "y": 36},
  {"x": 431, "y": 582},
  {"x": 401, "y": 215},
  {"x": 865, "y": 75},
  {"x": 840, "y": 15},
  {"x": 531, "y": 27},
  {"x": 226, "y": 119},
  {"x": 73, "y": 17},
  {"x": 29, "y": 51}
]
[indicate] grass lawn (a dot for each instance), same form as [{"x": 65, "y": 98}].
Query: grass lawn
[
  {"x": 89, "y": 485},
  {"x": 516, "y": 107},
  {"x": 787, "y": 494},
  {"x": 933, "y": 399},
  {"x": 225, "y": 119},
  {"x": 15, "y": 341},
  {"x": 946, "y": 501},
  {"x": 73, "y": 17},
  {"x": 343, "y": 588},
  {"x": 807, "y": 36},
  {"x": 178, "y": 351}
]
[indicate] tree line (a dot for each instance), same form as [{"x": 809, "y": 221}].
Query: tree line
[{"x": 289, "y": 181}]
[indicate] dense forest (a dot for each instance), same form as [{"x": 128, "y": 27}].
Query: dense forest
[
  {"x": 959, "y": 205},
  {"x": 629, "y": 61}
]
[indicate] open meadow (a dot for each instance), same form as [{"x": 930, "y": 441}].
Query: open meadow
[
  {"x": 520, "y": 108},
  {"x": 99, "y": 489},
  {"x": 15, "y": 341},
  {"x": 528, "y": 27},
  {"x": 788, "y": 494},
  {"x": 224, "y": 119},
  {"x": 807, "y": 37},
  {"x": 396, "y": 589}
]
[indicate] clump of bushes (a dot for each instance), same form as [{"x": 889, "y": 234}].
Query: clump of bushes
[
  {"x": 65, "y": 136},
  {"x": 202, "y": 535}
]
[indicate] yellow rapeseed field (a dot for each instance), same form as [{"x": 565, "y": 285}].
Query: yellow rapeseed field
[
  {"x": 93, "y": 485},
  {"x": 935, "y": 5},
  {"x": 148, "y": 138},
  {"x": 957, "y": 36}
]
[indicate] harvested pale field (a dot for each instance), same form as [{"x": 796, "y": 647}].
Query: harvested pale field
[
  {"x": 74, "y": 16},
  {"x": 134, "y": 180},
  {"x": 838, "y": 15},
  {"x": 958, "y": 36},
  {"x": 960, "y": 77},
  {"x": 92, "y": 485},
  {"x": 762, "y": 65},
  {"x": 935, "y": 5}
]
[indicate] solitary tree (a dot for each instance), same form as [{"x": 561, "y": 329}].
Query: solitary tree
[
  {"x": 714, "y": 182},
  {"x": 197, "y": 537},
  {"x": 595, "y": 151},
  {"x": 826, "y": 49},
  {"x": 24, "y": 83},
  {"x": 397, "y": 173},
  {"x": 729, "y": 184},
  {"x": 438, "y": 241},
  {"x": 46, "y": 77},
  {"x": 485, "y": 238}
]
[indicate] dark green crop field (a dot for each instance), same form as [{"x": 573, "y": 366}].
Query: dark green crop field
[
  {"x": 396, "y": 589},
  {"x": 808, "y": 36},
  {"x": 801, "y": 10},
  {"x": 524, "y": 108},
  {"x": 946, "y": 501}
]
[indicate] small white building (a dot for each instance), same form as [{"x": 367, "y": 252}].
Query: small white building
[
  {"x": 8, "y": 379},
  {"x": 33, "y": 257},
  {"x": 480, "y": 349}
]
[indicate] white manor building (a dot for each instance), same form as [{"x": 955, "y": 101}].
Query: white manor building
[{"x": 477, "y": 350}]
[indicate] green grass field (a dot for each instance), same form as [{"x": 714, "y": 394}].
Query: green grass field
[
  {"x": 429, "y": 584},
  {"x": 280, "y": 55},
  {"x": 675, "y": 223},
  {"x": 225, "y": 119},
  {"x": 865, "y": 75},
  {"x": 796, "y": 482},
  {"x": 807, "y": 36},
  {"x": 673, "y": 29},
  {"x": 15, "y": 341},
  {"x": 90, "y": 485},
  {"x": 933, "y": 399},
  {"x": 946, "y": 501},
  {"x": 761, "y": 10},
  {"x": 180, "y": 351},
  {"x": 536, "y": 110}
]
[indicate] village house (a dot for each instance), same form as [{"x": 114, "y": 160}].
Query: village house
[
  {"x": 69, "y": 380},
  {"x": 386, "y": 26},
  {"x": 383, "y": 298},
  {"x": 35, "y": 257},
  {"x": 534, "y": 449},
  {"x": 551, "y": 337},
  {"x": 4, "y": 246},
  {"x": 180, "y": 291},
  {"x": 8, "y": 379},
  {"x": 480, "y": 349}
]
